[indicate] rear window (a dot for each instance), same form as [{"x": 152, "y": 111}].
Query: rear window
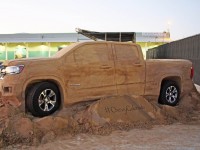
[{"x": 127, "y": 53}]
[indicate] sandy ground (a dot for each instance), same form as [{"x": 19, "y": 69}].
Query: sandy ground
[
  {"x": 177, "y": 136},
  {"x": 163, "y": 137}
]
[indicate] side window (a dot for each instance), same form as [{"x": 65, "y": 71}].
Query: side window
[
  {"x": 126, "y": 53},
  {"x": 92, "y": 53}
]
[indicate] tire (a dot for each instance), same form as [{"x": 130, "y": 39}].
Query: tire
[
  {"x": 170, "y": 93},
  {"x": 43, "y": 99}
]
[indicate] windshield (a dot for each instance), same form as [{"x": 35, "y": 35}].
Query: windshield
[{"x": 64, "y": 50}]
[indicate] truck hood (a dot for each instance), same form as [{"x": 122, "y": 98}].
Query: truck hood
[
  {"x": 26, "y": 61},
  {"x": 40, "y": 67}
]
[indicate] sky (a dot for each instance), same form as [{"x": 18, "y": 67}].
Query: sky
[{"x": 180, "y": 17}]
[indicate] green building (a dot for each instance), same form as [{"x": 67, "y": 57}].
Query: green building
[{"x": 24, "y": 45}]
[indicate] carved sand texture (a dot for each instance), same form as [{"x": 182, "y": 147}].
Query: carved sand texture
[
  {"x": 93, "y": 70},
  {"x": 95, "y": 117}
]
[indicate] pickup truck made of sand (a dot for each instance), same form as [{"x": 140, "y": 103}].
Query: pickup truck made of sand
[{"x": 89, "y": 71}]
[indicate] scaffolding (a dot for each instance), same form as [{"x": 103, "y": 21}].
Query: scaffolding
[{"x": 108, "y": 36}]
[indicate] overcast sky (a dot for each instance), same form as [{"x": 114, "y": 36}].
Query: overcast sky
[{"x": 181, "y": 17}]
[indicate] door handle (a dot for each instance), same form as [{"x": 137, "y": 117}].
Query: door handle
[
  {"x": 105, "y": 67},
  {"x": 138, "y": 65}
]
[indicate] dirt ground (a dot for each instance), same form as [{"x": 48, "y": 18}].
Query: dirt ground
[
  {"x": 163, "y": 137},
  {"x": 92, "y": 127}
]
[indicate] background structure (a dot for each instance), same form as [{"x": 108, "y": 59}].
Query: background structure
[{"x": 26, "y": 45}]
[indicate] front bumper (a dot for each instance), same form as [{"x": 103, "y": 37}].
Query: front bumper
[{"x": 11, "y": 93}]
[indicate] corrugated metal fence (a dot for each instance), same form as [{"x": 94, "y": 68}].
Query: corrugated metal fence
[{"x": 188, "y": 48}]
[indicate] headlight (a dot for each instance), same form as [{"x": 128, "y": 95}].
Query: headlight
[{"x": 13, "y": 69}]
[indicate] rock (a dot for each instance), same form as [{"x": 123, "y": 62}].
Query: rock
[
  {"x": 13, "y": 101},
  {"x": 3, "y": 125},
  {"x": 18, "y": 130},
  {"x": 8, "y": 111},
  {"x": 121, "y": 109},
  {"x": 36, "y": 141},
  {"x": 188, "y": 103},
  {"x": 49, "y": 137},
  {"x": 4, "y": 112},
  {"x": 171, "y": 111},
  {"x": 24, "y": 127},
  {"x": 1, "y": 143},
  {"x": 49, "y": 123}
]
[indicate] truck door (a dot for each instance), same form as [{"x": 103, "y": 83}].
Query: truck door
[
  {"x": 93, "y": 73},
  {"x": 130, "y": 69}
]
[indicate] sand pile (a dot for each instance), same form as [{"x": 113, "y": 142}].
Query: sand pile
[{"x": 96, "y": 117}]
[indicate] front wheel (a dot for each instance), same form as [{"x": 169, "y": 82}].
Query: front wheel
[
  {"x": 169, "y": 93},
  {"x": 43, "y": 99}
]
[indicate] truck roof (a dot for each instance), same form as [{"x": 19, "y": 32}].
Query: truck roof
[{"x": 68, "y": 48}]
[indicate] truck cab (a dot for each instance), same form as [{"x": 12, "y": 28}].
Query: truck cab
[{"x": 97, "y": 69}]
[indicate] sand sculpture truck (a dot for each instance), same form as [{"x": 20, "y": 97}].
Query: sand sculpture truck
[{"x": 91, "y": 70}]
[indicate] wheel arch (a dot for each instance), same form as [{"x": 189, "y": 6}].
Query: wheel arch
[
  {"x": 31, "y": 82},
  {"x": 176, "y": 79}
]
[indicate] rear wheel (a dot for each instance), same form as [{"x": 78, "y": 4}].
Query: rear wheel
[
  {"x": 43, "y": 99},
  {"x": 169, "y": 93}
]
